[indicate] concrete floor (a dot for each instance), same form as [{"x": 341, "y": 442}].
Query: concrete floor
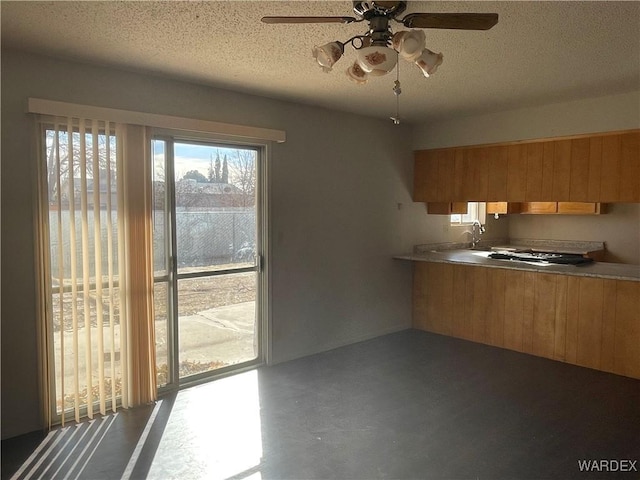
[
  {"x": 225, "y": 334},
  {"x": 403, "y": 406}
]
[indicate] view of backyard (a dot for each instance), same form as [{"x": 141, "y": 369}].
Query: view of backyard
[
  {"x": 214, "y": 226},
  {"x": 217, "y": 324}
]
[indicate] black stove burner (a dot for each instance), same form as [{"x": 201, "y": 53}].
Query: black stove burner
[{"x": 542, "y": 257}]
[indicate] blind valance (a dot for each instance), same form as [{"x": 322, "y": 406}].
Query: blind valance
[{"x": 64, "y": 109}]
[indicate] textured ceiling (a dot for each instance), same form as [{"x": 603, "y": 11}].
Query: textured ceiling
[{"x": 539, "y": 52}]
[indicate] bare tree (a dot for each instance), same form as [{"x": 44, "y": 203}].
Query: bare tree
[
  {"x": 242, "y": 167},
  {"x": 64, "y": 163},
  {"x": 225, "y": 170}
]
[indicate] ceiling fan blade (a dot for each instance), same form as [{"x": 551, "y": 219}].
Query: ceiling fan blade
[
  {"x": 458, "y": 21},
  {"x": 272, "y": 20}
]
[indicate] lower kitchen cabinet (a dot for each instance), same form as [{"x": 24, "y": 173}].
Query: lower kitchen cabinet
[{"x": 587, "y": 321}]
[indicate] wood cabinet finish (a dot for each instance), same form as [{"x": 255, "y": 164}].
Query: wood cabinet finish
[
  {"x": 610, "y": 169},
  {"x": 579, "y": 170},
  {"x": 629, "y": 167},
  {"x": 580, "y": 208},
  {"x": 497, "y": 164},
  {"x": 592, "y": 322},
  {"x": 516, "y": 173},
  {"x": 567, "y": 208},
  {"x": 586, "y": 168},
  {"x": 446, "y": 174},
  {"x": 538, "y": 207},
  {"x": 503, "y": 207},
  {"x": 446, "y": 208},
  {"x": 561, "y": 170},
  {"x": 534, "y": 172},
  {"x": 425, "y": 174}
]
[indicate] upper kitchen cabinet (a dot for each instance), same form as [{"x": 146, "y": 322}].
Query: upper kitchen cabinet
[
  {"x": 497, "y": 166},
  {"x": 425, "y": 176},
  {"x": 587, "y": 168},
  {"x": 516, "y": 172},
  {"x": 630, "y": 167}
]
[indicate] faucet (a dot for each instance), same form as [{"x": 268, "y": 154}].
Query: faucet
[{"x": 475, "y": 237}]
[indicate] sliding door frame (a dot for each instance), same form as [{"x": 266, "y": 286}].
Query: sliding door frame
[{"x": 262, "y": 305}]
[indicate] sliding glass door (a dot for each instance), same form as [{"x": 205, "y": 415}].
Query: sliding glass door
[{"x": 207, "y": 258}]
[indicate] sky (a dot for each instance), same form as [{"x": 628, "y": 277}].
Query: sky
[{"x": 190, "y": 156}]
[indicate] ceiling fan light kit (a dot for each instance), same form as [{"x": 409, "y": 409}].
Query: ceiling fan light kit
[
  {"x": 428, "y": 62},
  {"x": 357, "y": 74},
  {"x": 379, "y": 48},
  {"x": 409, "y": 44},
  {"x": 328, "y": 54},
  {"x": 377, "y": 60}
]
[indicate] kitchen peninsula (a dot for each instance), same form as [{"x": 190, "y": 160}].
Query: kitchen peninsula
[{"x": 587, "y": 315}]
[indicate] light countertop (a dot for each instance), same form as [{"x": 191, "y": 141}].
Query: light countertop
[{"x": 616, "y": 271}]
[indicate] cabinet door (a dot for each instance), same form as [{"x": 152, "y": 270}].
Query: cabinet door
[
  {"x": 630, "y": 167},
  {"x": 561, "y": 170},
  {"x": 589, "y": 322},
  {"x": 546, "y": 192},
  {"x": 544, "y": 315},
  {"x": 497, "y": 162},
  {"x": 433, "y": 292},
  {"x": 446, "y": 175},
  {"x": 516, "y": 173},
  {"x": 466, "y": 178},
  {"x": 441, "y": 297},
  {"x": 595, "y": 167},
  {"x": 610, "y": 169},
  {"x": 478, "y": 173},
  {"x": 425, "y": 175},
  {"x": 579, "y": 177},
  {"x": 535, "y": 157},
  {"x": 627, "y": 329},
  {"x": 459, "y": 173}
]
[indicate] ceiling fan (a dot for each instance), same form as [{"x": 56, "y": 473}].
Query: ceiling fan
[
  {"x": 390, "y": 10},
  {"x": 378, "y": 49}
]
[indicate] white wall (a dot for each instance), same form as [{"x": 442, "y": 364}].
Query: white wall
[
  {"x": 336, "y": 187},
  {"x": 620, "y": 228}
]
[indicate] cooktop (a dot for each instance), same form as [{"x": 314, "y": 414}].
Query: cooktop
[{"x": 542, "y": 257}]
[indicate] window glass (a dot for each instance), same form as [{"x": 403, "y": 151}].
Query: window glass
[{"x": 475, "y": 211}]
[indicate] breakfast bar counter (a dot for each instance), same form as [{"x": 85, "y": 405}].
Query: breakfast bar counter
[{"x": 615, "y": 271}]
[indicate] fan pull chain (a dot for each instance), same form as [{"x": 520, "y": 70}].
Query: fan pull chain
[{"x": 397, "y": 91}]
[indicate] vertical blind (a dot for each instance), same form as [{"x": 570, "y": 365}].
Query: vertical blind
[{"x": 95, "y": 267}]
